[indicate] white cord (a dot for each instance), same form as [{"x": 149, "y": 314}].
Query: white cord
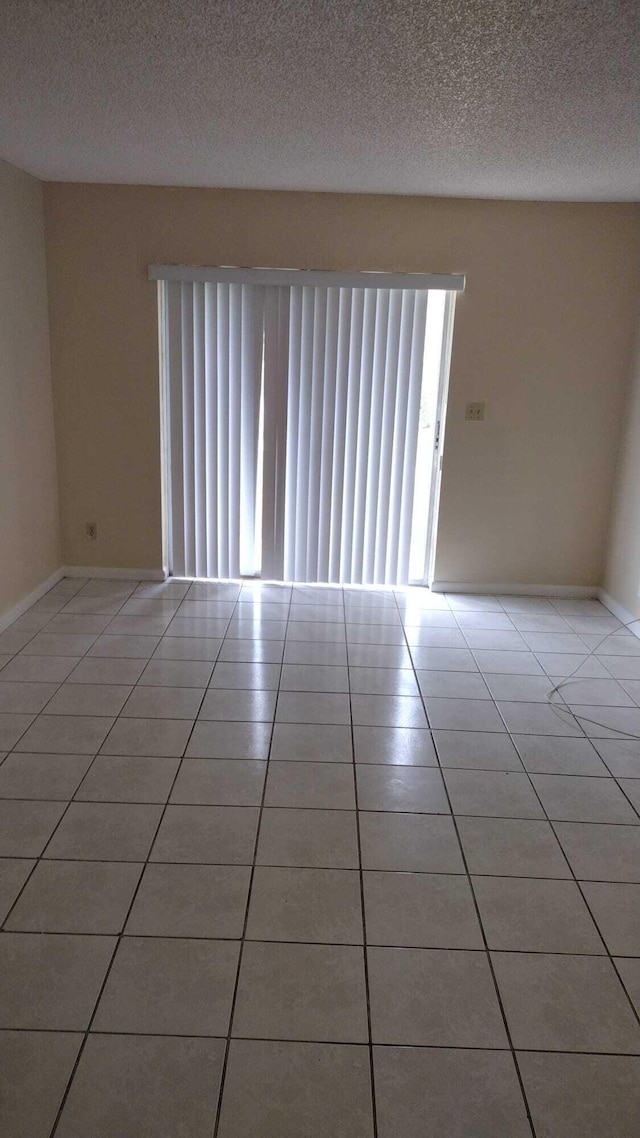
[{"x": 572, "y": 678}]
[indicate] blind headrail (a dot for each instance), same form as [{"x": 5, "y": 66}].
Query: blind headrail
[{"x": 449, "y": 282}]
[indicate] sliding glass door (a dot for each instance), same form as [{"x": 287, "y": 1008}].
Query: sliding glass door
[{"x": 304, "y": 422}]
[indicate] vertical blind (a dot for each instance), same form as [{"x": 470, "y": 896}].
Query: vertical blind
[
  {"x": 213, "y": 354},
  {"x": 325, "y": 491}
]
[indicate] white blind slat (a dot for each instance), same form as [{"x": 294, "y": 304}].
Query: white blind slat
[
  {"x": 188, "y": 428},
  {"x": 199, "y": 434},
  {"x": 351, "y": 433},
  {"x": 211, "y": 426},
  {"x": 411, "y": 436},
  {"x": 326, "y": 490},
  {"x": 395, "y": 488},
  {"x": 375, "y": 433},
  {"x": 392, "y": 383},
  {"x": 364, "y": 429},
  {"x": 336, "y": 494},
  {"x": 302, "y": 441},
  {"x": 293, "y": 424},
  {"x": 314, "y": 442},
  {"x": 176, "y": 469}
]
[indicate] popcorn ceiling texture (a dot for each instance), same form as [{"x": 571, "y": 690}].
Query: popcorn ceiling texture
[{"x": 484, "y": 98}]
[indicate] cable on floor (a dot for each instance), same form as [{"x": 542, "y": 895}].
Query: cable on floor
[{"x": 572, "y": 678}]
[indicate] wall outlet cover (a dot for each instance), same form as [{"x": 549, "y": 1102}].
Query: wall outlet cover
[{"x": 474, "y": 412}]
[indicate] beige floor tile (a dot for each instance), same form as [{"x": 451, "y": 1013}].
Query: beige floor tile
[
  {"x": 25, "y": 697},
  {"x": 545, "y": 754},
  {"x": 508, "y": 847},
  {"x": 572, "y": 798},
  {"x": 148, "y": 737},
  {"x": 417, "y": 843},
  {"x": 76, "y": 897},
  {"x": 89, "y": 699},
  {"x": 314, "y": 678},
  {"x": 520, "y": 915},
  {"x": 219, "y": 782},
  {"x": 319, "y": 743},
  {"x": 132, "y": 1085},
  {"x": 477, "y": 750},
  {"x": 50, "y": 982},
  {"x": 296, "y": 1090},
  {"x": 13, "y": 874},
  {"x": 387, "y": 711},
  {"x": 312, "y": 992},
  {"x": 191, "y": 901},
  {"x": 565, "y": 1003},
  {"x": 582, "y": 1096},
  {"x": 239, "y": 705},
  {"x": 314, "y": 838},
  {"x": 102, "y": 670},
  {"x": 34, "y": 1069},
  {"x": 504, "y": 794},
  {"x": 601, "y": 852},
  {"x": 324, "y": 786},
  {"x": 177, "y": 673},
  {"x": 396, "y": 746},
  {"x": 420, "y": 910},
  {"x": 461, "y": 1093},
  {"x": 246, "y": 676},
  {"x": 12, "y": 727},
  {"x": 169, "y": 986},
  {"x": 616, "y": 909},
  {"x": 313, "y": 707},
  {"x": 305, "y": 905},
  {"x": 217, "y": 740},
  {"x": 24, "y": 775},
  {"x": 412, "y": 789},
  {"x": 66, "y": 734},
  {"x": 25, "y": 827},
  {"x": 433, "y": 998},
  {"x": 629, "y": 970},
  {"x": 222, "y": 835},
  {"x": 121, "y": 778},
  {"x": 48, "y": 669},
  {"x": 163, "y": 703},
  {"x": 105, "y": 832}
]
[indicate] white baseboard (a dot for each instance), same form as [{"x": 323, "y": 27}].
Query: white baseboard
[
  {"x": 115, "y": 574},
  {"x": 9, "y": 617},
  {"x": 622, "y": 614},
  {"x": 516, "y": 590}
]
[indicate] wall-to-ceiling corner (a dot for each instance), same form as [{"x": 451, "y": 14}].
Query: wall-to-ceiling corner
[
  {"x": 29, "y": 519},
  {"x": 622, "y": 575}
]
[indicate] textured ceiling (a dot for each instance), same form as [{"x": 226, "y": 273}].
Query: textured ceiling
[{"x": 487, "y": 98}]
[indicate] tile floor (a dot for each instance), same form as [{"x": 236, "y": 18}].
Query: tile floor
[{"x": 290, "y": 863}]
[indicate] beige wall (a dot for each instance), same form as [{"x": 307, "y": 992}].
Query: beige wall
[
  {"x": 29, "y": 526},
  {"x": 543, "y": 335},
  {"x": 622, "y": 578}
]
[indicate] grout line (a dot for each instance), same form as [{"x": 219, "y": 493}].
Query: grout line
[
  {"x": 488, "y": 954},
  {"x": 632, "y": 826},
  {"x": 365, "y": 954},
  {"x": 337, "y": 1042},
  {"x": 225, "y": 1061},
  {"x": 425, "y": 948}
]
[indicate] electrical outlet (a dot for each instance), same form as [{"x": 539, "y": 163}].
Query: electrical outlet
[
  {"x": 474, "y": 412},
  {"x": 91, "y": 531}
]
